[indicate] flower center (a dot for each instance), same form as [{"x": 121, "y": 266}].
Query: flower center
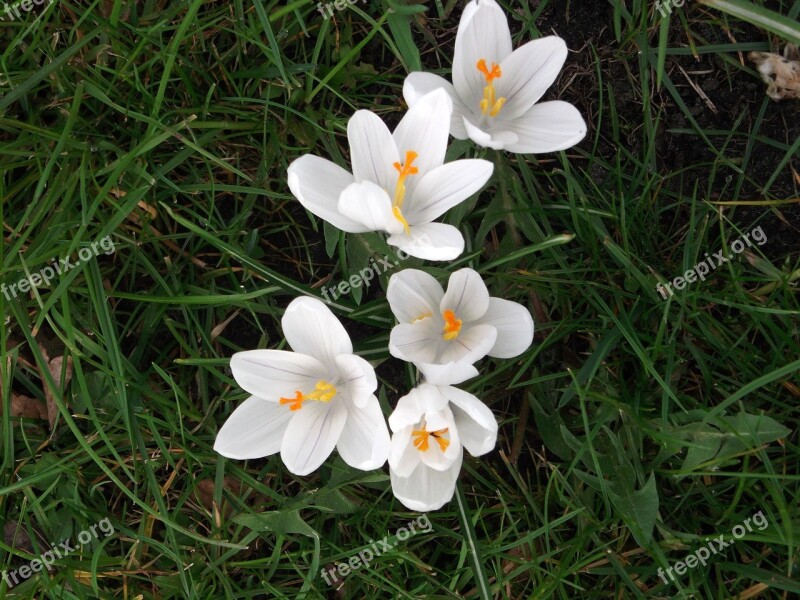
[
  {"x": 324, "y": 392},
  {"x": 452, "y": 326},
  {"x": 422, "y": 439},
  {"x": 405, "y": 170},
  {"x": 490, "y": 104}
]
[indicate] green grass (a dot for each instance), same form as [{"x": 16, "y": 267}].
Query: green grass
[{"x": 631, "y": 430}]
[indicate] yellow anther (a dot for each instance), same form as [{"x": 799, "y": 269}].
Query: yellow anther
[
  {"x": 323, "y": 392},
  {"x": 405, "y": 170},
  {"x": 490, "y": 104},
  {"x": 452, "y": 326},
  {"x": 422, "y": 442}
]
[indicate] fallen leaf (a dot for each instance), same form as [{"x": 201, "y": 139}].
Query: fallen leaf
[{"x": 781, "y": 74}]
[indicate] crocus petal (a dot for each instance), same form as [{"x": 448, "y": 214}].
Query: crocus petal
[
  {"x": 417, "y": 342},
  {"x": 472, "y": 344},
  {"x": 412, "y": 294},
  {"x": 369, "y": 204},
  {"x": 476, "y": 424},
  {"x": 312, "y": 435},
  {"x": 275, "y": 374},
  {"x": 425, "y": 129},
  {"x": 445, "y": 187},
  {"x": 364, "y": 441},
  {"x": 419, "y": 83},
  {"x": 317, "y": 184},
  {"x": 431, "y": 241},
  {"x": 448, "y": 374},
  {"x": 514, "y": 326},
  {"x": 372, "y": 150},
  {"x": 466, "y": 296},
  {"x": 254, "y": 430},
  {"x": 425, "y": 489},
  {"x": 424, "y": 398},
  {"x": 359, "y": 377},
  {"x": 311, "y": 328},
  {"x": 546, "y": 127},
  {"x": 483, "y": 34},
  {"x": 496, "y": 140},
  {"x": 403, "y": 456},
  {"x": 528, "y": 72}
]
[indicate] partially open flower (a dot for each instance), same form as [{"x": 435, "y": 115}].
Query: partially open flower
[
  {"x": 444, "y": 333},
  {"x": 431, "y": 425},
  {"x": 305, "y": 403},
  {"x": 496, "y": 92},
  {"x": 399, "y": 184}
]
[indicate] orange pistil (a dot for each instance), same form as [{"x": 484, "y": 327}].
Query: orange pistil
[
  {"x": 422, "y": 442},
  {"x": 400, "y": 189},
  {"x": 490, "y": 104},
  {"x": 323, "y": 392},
  {"x": 452, "y": 326}
]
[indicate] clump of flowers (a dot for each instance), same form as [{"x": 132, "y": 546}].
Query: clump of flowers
[{"x": 321, "y": 397}]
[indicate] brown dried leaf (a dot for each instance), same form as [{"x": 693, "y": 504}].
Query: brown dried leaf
[
  {"x": 781, "y": 74},
  {"x": 56, "y": 368},
  {"x": 205, "y": 494},
  {"x": 26, "y": 407},
  {"x": 15, "y": 536}
]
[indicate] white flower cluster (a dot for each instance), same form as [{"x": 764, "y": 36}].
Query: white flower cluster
[{"x": 321, "y": 396}]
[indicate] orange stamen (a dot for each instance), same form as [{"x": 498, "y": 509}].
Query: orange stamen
[
  {"x": 400, "y": 189},
  {"x": 422, "y": 442},
  {"x": 490, "y": 104},
  {"x": 323, "y": 392},
  {"x": 452, "y": 325}
]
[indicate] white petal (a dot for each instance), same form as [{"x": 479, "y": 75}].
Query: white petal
[
  {"x": 275, "y": 374},
  {"x": 514, "y": 326},
  {"x": 410, "y": 409},
  {"x": 403, "y": 456},
  {"x": 254, "y": 430},
  {"x": 413, "y": 293},
  {"x": 425, "y": 489},
  {"x": 419, "y": 83},
  {"x": 364, "y": 442},
  {"x": 482, "y": 34},
  {"x": 472, "y": 344},
  {"x": 417, "y": 342},
  {"x": 476, "y": 424},
  {"x": 359, "y": 378},
  {"x": 425, "y": 129},
  {"x": 312, "y": 435},
  {"x": 496, "y": 140},
  {"x": 317, "y": 183},
  {"x": 448, "y": 374},
  {"x": 311, "y": 328},
  {"x": 431, "y": 241},
  {"x": 547, "y": 127},
  {"x": 369, "y": 204},
  {"x": 528, "y": 72},
  {"x": 445, "y": 187},
  {"x": 372, "y": 150},
  {"x": 466, "y": 295}
]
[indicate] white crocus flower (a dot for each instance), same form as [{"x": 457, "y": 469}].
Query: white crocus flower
[
  {"x": 444, "y": 333},
  {"x": 305, "y": 403},
  {"x": 495, "y": 91},
  {"x": 399, "y": 184},
  {"x": 431, "y": 426}
]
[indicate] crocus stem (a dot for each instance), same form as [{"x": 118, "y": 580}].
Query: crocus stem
[{"x": 501, "y": 169}]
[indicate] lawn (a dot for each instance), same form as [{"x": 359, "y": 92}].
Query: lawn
[{"x": 647, "y": 439}]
